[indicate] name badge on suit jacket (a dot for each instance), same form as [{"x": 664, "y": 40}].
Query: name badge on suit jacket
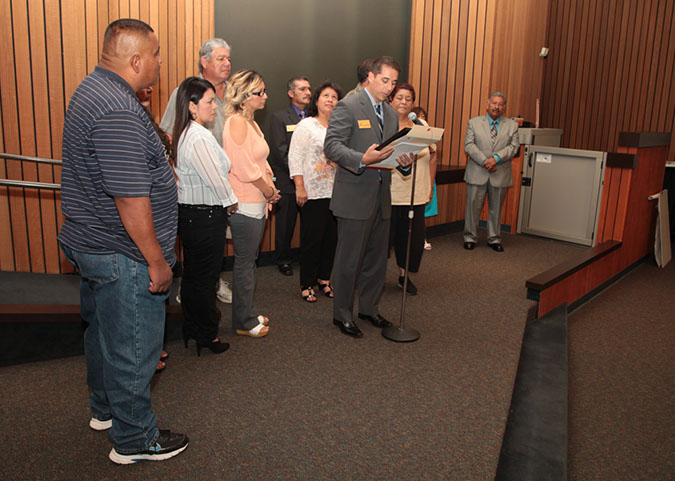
[
  {"x": 364, "y": 124},
  {"x": 290, "y": 128}
]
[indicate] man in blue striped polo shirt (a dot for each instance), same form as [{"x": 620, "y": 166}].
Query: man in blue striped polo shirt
[{"x": 120, "y": 206}]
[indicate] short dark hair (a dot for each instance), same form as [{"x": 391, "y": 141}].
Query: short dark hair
[
  {"x": 292, "y": 80},
  {"x": 192, "y": 89},
  {"x": 403, "y": 86},
  {"x": 122, "y": 25},
  {"x": 419, "y": 110},
  {"x": 312, "y": 110},
  {"x": 363, "y": 69},
  {"x": 376, "y": 67}
]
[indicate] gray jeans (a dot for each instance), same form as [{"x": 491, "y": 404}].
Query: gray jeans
[{"x": 247, "y": 233}]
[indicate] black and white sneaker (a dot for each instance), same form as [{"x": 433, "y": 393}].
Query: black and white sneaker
[
  {"x": 100, "y": 425},
  {"x": 168, "y": 445},
  {"x": 411, "y": 289}
]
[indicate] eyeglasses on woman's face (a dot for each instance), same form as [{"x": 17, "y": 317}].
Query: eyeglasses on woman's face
[{"x": 261, "y": 93}]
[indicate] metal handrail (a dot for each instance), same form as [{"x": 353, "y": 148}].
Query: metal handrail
[
  {"x": 39, "y": 160},
  {"x": 32, "y": 185},
  {"x": 25, "y": 183}
]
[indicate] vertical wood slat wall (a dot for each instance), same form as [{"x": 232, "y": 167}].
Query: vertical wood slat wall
[
  {"x": 610, "y": 69},
  {"x": 49, "y": 46},
  {"x": 460, "y": 52}
]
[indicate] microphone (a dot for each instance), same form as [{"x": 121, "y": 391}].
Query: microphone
[{"x": 413, "y": 118}]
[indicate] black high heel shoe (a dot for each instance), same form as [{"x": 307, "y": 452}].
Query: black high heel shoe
[{"x": 216, "y": 347}]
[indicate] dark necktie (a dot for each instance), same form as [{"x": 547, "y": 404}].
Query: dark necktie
[
  {"x": 380, "y": 120},
  {"x": 301, "y": 114},
  {"x": 493, "y": 132}
]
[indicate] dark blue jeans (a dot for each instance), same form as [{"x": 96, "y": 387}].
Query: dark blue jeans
[{"x": 122, "y": 344}]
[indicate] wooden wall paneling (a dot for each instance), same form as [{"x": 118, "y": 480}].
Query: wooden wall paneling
[
  {"x": 668, "y": 92},
  {"x": 579, "y": 86},
  {"x": 434, "y": 59},
  {"x": 191, "y": 53},
  {"x": 162, "y": 29},
  {"x": 7, "y": 141},
  {"x": 647, "y": 67},
  {"x": 6, "y": 252},
  {"x": 634, "y": 73},
  {"x": 457, "y": 150},
  {"x": 157, "y": 93},
  {"x": 42, "y": 134},
  {"x": 450, "y": 89},
  {"x": 91, "y": 33},
  {"x": 665, "y": 78},
  {"x": 172, "y": 48},
  {"x": 415, "y": 44},
  {"x": 426, "y": 49},
  {"x": 660, "y": 43},
  {"x": 182, "y": 46},
  {"x": 614, "y": 79},
  {"x": 604, "y": 199},
  {"x": 124, "y": 11},
  {"x": 57, "y": 108},
  {"x": 134, "y": 9},
  {"x": 441, "y": 105},
  {"x": 197, "y": 34},
  {"x": 600, "y": 56},
  {"x": 621, "y": 86},
  {"x": 14, "y": 141},
  {"x": 206, "y": 22},
  {"x": 113, "y": 10}
]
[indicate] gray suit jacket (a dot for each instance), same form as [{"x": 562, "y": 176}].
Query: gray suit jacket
[
  {"x": 356, "y": 189},
  {"x": 478, "y": 145}
]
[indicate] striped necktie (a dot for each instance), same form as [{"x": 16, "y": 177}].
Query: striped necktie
[
  {"x": 380, "y": 120},
  {"x": 493, "y": 132}
]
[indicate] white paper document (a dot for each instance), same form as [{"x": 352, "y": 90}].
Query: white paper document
[{"x": 418, "y": 138}]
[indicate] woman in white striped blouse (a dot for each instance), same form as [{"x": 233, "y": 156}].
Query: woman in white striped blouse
[{"x": 205, "y": 199}]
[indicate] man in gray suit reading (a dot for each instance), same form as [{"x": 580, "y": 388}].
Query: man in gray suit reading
[
  {"x": 361, "y": 198},
  {"x": 491, "y": 142}
]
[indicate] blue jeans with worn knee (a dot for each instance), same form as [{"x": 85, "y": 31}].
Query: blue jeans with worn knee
[{"x": 122, "y": 344}]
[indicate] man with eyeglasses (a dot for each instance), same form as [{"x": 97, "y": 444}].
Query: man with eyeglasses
[{"x": 282, "y": 126}]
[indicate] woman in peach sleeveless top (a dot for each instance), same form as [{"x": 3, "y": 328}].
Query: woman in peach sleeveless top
[{"x": 251, "y": 180}]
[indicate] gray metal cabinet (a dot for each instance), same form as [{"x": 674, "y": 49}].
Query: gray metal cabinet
[{"x": 560, "y": 193}]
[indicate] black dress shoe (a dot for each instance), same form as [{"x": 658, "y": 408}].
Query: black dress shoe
[
  {"x": 286, "y": 269},
  {"x": 349, "y": 328},
  {"x": 469, "y": 245},
  {"x": 377, "y": 321},
  {"x": 497, "y": 247}
]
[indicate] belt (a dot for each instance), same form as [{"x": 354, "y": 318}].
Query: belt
[{"x": 200, "y": 207}]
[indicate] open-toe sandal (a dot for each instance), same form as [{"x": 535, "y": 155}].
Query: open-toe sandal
[
  {"x": 264, "y": 320},
  {"x": 310, "y": 296},
  {"x": 327, "y": 289},
  {"x": 258, "y": 331}
]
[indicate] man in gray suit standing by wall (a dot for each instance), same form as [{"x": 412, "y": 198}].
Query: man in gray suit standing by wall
[
  {"x": 491, "y": 142},
  {"x": 361, "y": 198}
]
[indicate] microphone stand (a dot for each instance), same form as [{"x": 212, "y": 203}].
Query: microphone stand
[{"x": 400, "y": 333}]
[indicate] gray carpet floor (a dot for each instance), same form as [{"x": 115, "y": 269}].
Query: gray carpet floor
[
  {"x": 306, "y": 402},
  {"x": 622, "y": 380}
]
